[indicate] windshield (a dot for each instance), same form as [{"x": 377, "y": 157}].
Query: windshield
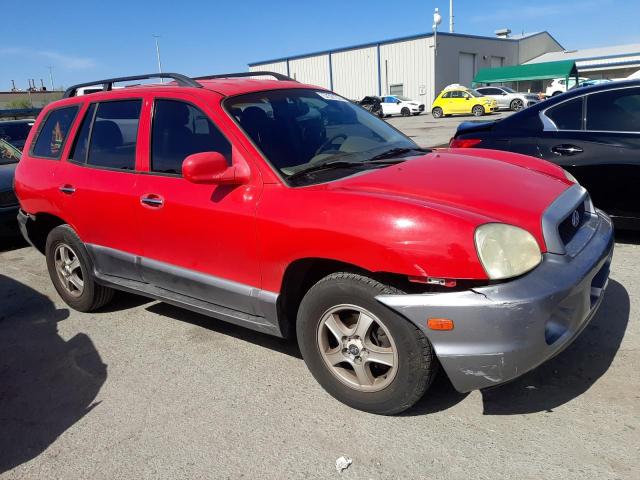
[
  {"x": 508, "y": 90},
  {"x": 474, "y": 93},
  {"x": 298, "y": 128},
  {"x": 15, "y": 132},
  {"x": 8, "y": 153}
]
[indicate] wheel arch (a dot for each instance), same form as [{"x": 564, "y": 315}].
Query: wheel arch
[{"x": 39, "y": 226}]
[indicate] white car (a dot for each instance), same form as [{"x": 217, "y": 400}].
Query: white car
[
  {"x": 559, "y": 85},
  {"x": 399, "y": 105},
  {"x": 508, "y": 98}
]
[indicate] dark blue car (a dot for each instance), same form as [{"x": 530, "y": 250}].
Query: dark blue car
[{"x": 9, "y": 157}]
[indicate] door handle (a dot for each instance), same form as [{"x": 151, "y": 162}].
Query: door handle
[
  {"x": 152, "y": 200},
  {"x": 67, "y": 189},
  {"x": 566, "y": 150}
]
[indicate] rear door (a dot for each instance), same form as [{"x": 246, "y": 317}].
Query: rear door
[
  {"x": 96, "y": 184},
  {"x": 198, "y": 240},
  {"x": 597, "y": 140}
]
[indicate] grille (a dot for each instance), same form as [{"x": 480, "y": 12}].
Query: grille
[
  {"x": 566, "y": 229},
  {"x": 8, "y": 199}
]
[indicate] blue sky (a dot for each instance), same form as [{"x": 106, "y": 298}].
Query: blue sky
[{"x": 85, "y": 42}]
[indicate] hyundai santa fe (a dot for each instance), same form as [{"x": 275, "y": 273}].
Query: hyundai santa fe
[{"x": 285, "y": 208}]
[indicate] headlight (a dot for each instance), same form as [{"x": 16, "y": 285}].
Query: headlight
[
  {"x": 506, "y": 251},
  {"x": 570, "y": 177}
]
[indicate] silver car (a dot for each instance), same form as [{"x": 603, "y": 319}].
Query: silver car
[{"x": 508, "y": 98}]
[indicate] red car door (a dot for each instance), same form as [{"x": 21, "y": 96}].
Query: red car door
[
  {"x": 97, "y": 182},
  {"x": 198, "y": 240}
]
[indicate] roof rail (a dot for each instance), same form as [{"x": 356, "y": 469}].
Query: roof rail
[
  {"x": 277, "y": 76},
  {"x": 107, "y": 84}
]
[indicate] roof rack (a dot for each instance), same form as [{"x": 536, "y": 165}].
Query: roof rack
[
  {"x": 277, "y": 76},
  {"x": 107, "y": 84}
]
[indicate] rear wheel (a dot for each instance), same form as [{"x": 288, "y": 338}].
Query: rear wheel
[
  {"x": 437, "y": 112},
  {"x": 477, "y": 110},
  {"x": 362, "y": 353},
  {"x": 516, "y": 105},
  {"x": 71, "y": 271},
  {"x": 381, "y": 113},
  {"x": 405, "y": 112}
]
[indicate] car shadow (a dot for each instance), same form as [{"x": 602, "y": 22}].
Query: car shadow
[
  {"x": 47, "y": 383},
  {"x": 572, "y": 372},
  {"x": 12, "y": 242},
  {"x": 282, "y": 345}
]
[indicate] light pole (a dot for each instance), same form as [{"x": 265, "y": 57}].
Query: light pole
[
  {"x": 450, "y": 16},
  {"x": 156, "y": 37},
  {"x": 437, "y": 18},
  {"x": 50, "y": 67}
]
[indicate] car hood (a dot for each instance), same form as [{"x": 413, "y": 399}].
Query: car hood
[
  {"x": 6, "y": 176},
  {"x": 482, "y": 185}
]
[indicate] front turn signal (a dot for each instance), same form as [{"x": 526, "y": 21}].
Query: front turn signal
[{"x": 440, "y": 324}]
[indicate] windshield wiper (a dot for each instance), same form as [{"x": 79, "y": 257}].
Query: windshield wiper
[
  {"x": 340, "y": 164},
  {"x": 394, "y": 152}
]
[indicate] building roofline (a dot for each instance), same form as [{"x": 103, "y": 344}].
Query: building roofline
[
  {"x": 586, "y": 59},
  {"x": 392, "y": 40}
]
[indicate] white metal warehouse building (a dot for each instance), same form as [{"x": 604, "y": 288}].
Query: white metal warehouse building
[{"x": 409, "y": 66}]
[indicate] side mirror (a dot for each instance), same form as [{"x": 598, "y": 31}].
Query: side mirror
[
  {"x": 398, "y": 102},
  {"x": 211, "y": 168}
]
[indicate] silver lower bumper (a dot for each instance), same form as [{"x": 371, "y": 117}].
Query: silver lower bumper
[{"x": 504, "y": 330}]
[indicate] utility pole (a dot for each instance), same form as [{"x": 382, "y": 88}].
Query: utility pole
[
  {"x": 450, "y": 16},
  {"x": 156, "y": 37},
  {"x": 50, "y": 67}
]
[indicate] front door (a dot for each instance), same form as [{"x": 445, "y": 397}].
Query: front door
[{"x": 199, "y": 240}]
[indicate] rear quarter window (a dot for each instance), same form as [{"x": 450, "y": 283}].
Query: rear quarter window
[
  {"x": 53, "y": 133},
  {"x": 567, "y": 115}
]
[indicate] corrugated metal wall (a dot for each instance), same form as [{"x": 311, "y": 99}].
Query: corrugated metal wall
[
  {"x": 355, "y": 72},
  {"x": 410, "y": 64},
  {"x": 277, "y": 67},
  {"x": 312, "y": 70}
]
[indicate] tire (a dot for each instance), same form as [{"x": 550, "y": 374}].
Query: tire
[
  {"x": 405, "y": 112},
  {"x": 73, "y": 279},
  {"x": 437, "y": 112},
  {"x": 389, "y": 388},
  {"x": 381, "y": 113},
  {"x": 516, "y": 105},
  {"x": 477, "y": 110}
]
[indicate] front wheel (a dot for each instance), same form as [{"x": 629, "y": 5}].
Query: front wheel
[
  {"x": 71, "y": 271},
  {"x": 362, "y": 353},
  {"x": 516, "y": 105},
  {"x": 437, "y": 112},
  {"x": 405, "y": 112},
  {"x": 477, "y": 111}
]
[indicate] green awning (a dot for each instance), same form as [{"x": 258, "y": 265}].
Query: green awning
[{"x": 531, "y": 71}]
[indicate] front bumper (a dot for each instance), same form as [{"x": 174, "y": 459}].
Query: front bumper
[{"x": 502, "y": 331}]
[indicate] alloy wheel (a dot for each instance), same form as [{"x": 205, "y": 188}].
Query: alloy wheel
[
  {"x": 67, "y": 264},
  {"x": 357, "y": 348}
]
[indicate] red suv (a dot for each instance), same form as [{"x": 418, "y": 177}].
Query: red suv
[{"x": 285, "y": 208}]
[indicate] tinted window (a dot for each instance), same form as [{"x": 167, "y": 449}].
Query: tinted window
[
  {"x": 179, "y": 130},
  {"x": 447, "y": 95},
  {"x": 15, "y": 133},
  {"x": 615, "y": 110},
  {"x": 53, "y": 133},
  {"x": 79, "y": 150},
  {"x": 8, "y": 153},
  {"x": 567, "y": 115},
  {"x": 114, "y": 134}
]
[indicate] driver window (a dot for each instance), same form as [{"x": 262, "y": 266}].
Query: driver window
[{"x": 179, "y": 130}]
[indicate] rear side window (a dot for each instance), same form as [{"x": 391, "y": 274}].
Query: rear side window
[
  {"x": 567, "y": 115},
  {"x": 114, "y": 135},
  {"x": 53, "y": 133},
  {"x": 179, "y": 130},
  {"x": 615, "y": 110},
  {"x": 80, "y": 147}
]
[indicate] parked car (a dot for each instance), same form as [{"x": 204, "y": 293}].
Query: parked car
[
  {"x": 399, "y": 105},
  {"x": 289, "y": 210},
  {"x": 601, "y": 149},
  {"x": 15, "y": 132},
  {"x": 508, "y": 98},
  {"x": 560, "y": 85},
  {"x": 9, "y": 157},
  {"x": 457, "y": 100},
  {"x": 589, "y": 83},
  {"x": 371, "y": 103}
]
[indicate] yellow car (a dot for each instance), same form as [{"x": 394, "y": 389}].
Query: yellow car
[{"x": 462, "y": 101}]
